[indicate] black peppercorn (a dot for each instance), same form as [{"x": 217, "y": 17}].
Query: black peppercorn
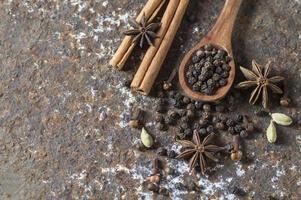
[
  {"x": 222, "y": 82},
  {"x": 215, "y": 119},
  {"x": 196, "y": 126},
  {"x": 160, "y": 126},
  {"x": 188, "y": 132},
  {"x": 203, "y": 122},
  {"x": 159, "y": 108},
  {"x": 226, "y": 67},
  {"x": 195, "y": 59},
  {"x": 190, "y": 114},
  {"x": 243, "y": 134},
  {"x": 163, "y": 191},
  {"x": 261, "y": 113},
  {"x": 230, "y": 123},
  {"x": 186, "y": 100},
  {"x": 153, "y": 187},
  {"x": 192, "y": 80},
  {"x": 170, "y": 120},
  {"x": 210, "y": 129},
  {"x": 208, "y": 47},
  {"x": 220, "y": 126},
  {"x": 181, "y": 130},
  {"x": 237, "y": 191},
  {"x": 219, "y": 70},
  {"x": 181, "y": 136},
  {"x": 171, "y": 154},
  {"x": 161, "y": 151},
  {"x": 207, "y": 107},
  {"x": 228, "y": 59},
  {"x": 196, "y": 87},
  {"x": 159, "y": 118},
  {"x": 178, "y": 104},
  {"x": 225, "y": 74},
  {"x": 184, "y": 125},
  {"x": 200, "y": 53},
  {"x": 185, "y": 119},
  {"x": 219, "y": 108},
  {"x": 198, "y": 104},
  {"x": 239, "y": 118},
  {"x": 191, "y": 107},
  {"x": 231, "y": 130},
  {"x": 173, "y": 114},
  {"x": 169, "y": 171},
  {"x": 206, "y": 115},
  {"x": 238, "y": 128},
  {"x": 172, "y": 93},
  {"x": 203, "y": 131}
]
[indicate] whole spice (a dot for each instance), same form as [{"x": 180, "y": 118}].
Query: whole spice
[
  {"x": 146, "y": 138},
  {"x": 167, "y": 86},
  {"x": 236, "y": 153},
  {"x": 197, "y": 151},
  {"x": 243, "y": 134},
  {"x": 285, "y": 101},
  {"x": 250, "y": 128},
  {"x": 136, "y": 118},
  {"x": 171, "y": 154},
  {"x": 154, "y": 178},
  {"x": 159, "y": 118},
  {"x": 161, "y": 151},
  {"x": 259, "y": 78},
  {"x": 153, "y": 187},
  {"x": 134, "y": 123},
  {"x": 151, "y": 9},
  {"x": 281, "y": 119},
  {"x": 143, "y": 31},
  {"x": 163, "y": 191},
  {"x": 271, "y": 132},
  {"x": 220, "y": 126},
  {"x": 160, "y": 126}
]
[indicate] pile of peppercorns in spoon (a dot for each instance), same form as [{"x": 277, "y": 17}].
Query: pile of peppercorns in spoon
[{"x": 209, "y": 70}]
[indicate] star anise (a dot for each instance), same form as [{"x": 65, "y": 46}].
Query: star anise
[
  {"x": 143, "y": 31},
  {"x": 259, "y": 77},
  {"x": 197, "y": 150}
]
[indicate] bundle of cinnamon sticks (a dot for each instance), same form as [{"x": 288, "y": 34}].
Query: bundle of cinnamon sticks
[{"x": 156, "y": 54}]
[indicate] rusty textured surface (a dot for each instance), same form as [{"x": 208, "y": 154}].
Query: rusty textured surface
[{"x": 64, "y": 111}]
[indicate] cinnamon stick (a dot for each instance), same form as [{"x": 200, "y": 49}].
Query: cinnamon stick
[
  {"x": 157, "y": 61},
  {"x": 152, "y": 50},
  {"x": 150, "y": 10}
]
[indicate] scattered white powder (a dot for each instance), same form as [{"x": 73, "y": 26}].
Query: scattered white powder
[
  {"x": 103, "y": 113},
  {"x": 105, "y": 3},
  {"x": 80, "y": 3},
  {"x": 239, "y": 170}
]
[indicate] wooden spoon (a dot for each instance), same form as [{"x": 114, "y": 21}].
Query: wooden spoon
[{"x": 220, "y": 37}]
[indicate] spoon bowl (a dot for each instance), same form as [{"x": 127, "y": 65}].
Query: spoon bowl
[{"x": 219, "y": 37}]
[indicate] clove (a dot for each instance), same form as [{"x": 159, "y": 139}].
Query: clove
[
  {"x": 155, "y": 177},
  {"x": 285, "y": 100},
  {"x": 136, "y": 118},
  {"x": 236, "y": 153}
]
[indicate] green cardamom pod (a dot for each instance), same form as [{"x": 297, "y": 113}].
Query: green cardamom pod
[
  {"x": 282, "y": 119},
  {"x": 271, "y": 132},
  {"x": 146, "y": 138}
]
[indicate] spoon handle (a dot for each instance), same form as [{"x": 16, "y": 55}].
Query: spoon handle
[{"x": 221, "y": 33}]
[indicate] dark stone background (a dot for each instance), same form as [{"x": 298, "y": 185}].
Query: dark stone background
[{"x": 64, "y": 111}]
